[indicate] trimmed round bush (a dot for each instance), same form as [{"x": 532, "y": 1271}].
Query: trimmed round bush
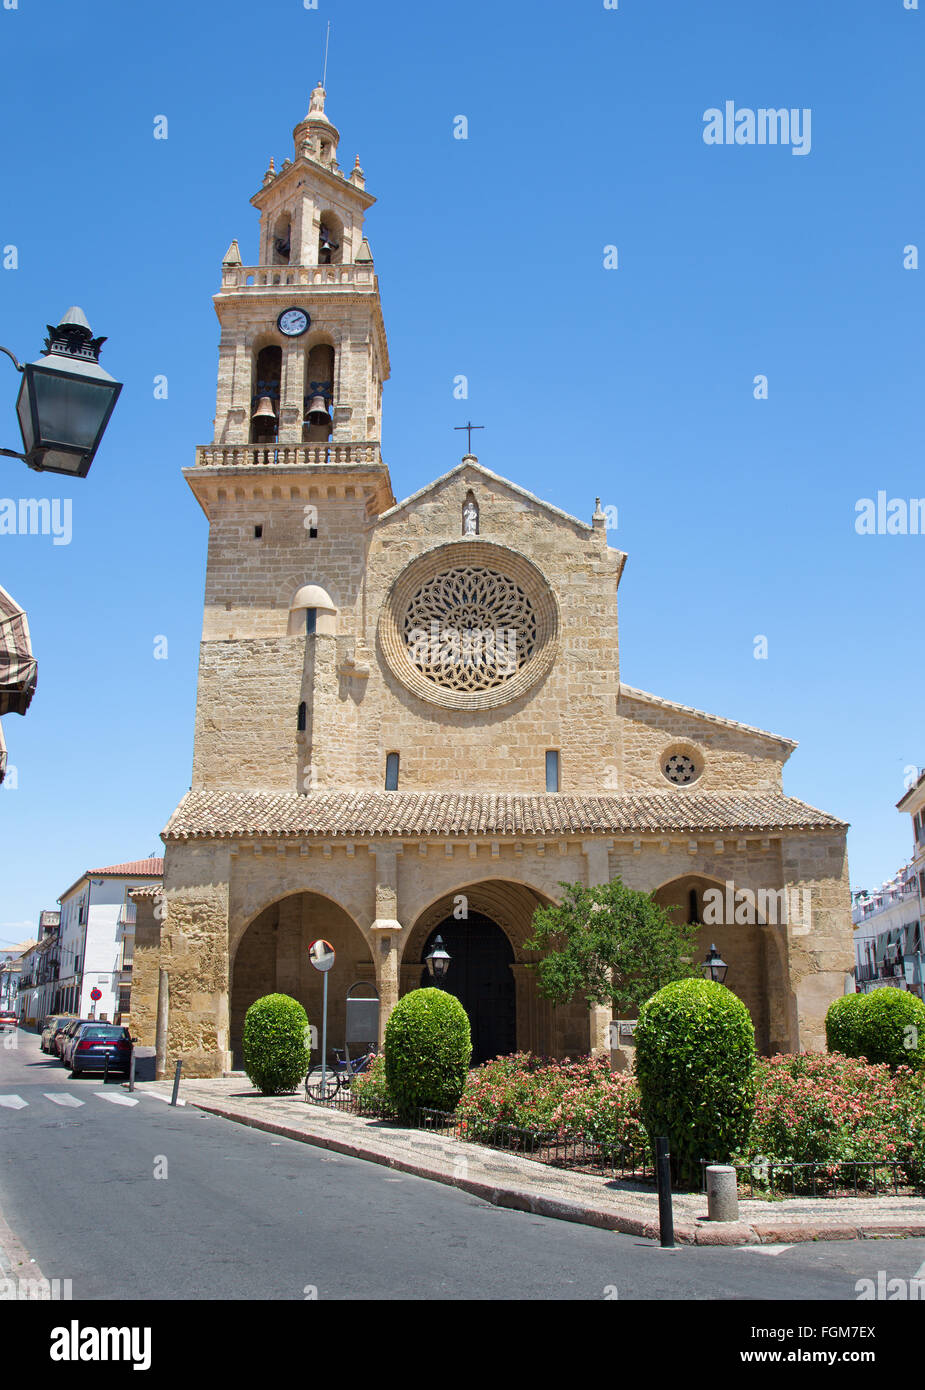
[
  {"x": 276, "y": 1044},
  {"x": 696, "y": 1068},
  {"x": 891, "y": 1028},
  {"x": 842, "y": 1022},
  {"x": 427, "y": 1050}
]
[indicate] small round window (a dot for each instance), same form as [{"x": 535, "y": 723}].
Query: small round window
[{"x": 681, "y": 768}]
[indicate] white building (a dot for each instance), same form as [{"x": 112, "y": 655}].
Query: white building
[
  {"x": 97, "y": 938},
  {"x": 11, "y": 972},
  {"x": 888, "y": 934}
]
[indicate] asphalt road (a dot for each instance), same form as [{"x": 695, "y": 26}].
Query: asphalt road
[{"x": 239, "y": 1214}]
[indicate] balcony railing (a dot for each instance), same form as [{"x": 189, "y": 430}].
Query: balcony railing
[
  {"x": 271, "y": 277},
  {"x": 127, "y": 915},
  {"x": 286, "y": 455}
]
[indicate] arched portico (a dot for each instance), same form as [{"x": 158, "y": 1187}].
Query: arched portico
[
  {"x": 484, "y": 926},
  {"x": 271, "y": 956},
  {"x": 747, "y": 946}
]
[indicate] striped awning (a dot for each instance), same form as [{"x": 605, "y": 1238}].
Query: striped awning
[{"x": 18, "y": 667}]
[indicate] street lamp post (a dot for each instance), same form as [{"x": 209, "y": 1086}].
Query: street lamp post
[{"x": 65, "y": 400}]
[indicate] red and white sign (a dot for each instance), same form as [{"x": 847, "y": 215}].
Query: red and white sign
[
  {"x": 96, "y": 994},
  {"x": 321, "y": 955}
]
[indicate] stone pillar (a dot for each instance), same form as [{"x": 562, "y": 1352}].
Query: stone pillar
[
  {"x": 292, "y": 392},
  {"x": 386, "y": 932},
  {"x": 820, "y": 933},
  {"x": 238, "y": 421},
  {"x": 597, "y": 859}
]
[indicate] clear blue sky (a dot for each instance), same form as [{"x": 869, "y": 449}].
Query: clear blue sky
[{"x": 634, "y": 384}]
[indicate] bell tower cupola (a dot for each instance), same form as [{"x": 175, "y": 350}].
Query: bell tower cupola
[{"x": 303, "y": 353}]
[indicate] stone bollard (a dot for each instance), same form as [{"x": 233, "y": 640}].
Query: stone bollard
[{"x": 722, "y": 1193}]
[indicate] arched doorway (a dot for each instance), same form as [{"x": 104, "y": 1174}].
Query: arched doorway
[{"x": 481, "y": 978}]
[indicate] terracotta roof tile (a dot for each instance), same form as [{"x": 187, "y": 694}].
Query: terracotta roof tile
[
  {"x": 134, "y": 866},
  {"x": 330, "y": 815}
]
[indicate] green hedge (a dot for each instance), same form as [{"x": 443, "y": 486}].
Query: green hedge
[
  {"x": 427, "y": 1050},
  {"x": 276, "y": 1044},
  {"x": 696, "y": 1067},
  {"x": 886, "y": 1025},
  {"x": 842, "y": 1025}
]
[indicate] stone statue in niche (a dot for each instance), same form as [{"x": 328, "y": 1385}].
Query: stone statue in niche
[{"x": 470, "y": 517}]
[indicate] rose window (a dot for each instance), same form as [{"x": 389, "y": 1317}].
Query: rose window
[
  {"x": 681, "y": 769},
  {"x": 469, "y": 628}
]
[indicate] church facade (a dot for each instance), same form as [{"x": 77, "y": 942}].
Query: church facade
[{"x": 410, "y": 719}]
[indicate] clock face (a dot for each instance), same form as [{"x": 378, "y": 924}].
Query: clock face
[{"x": 293, "y": 322}]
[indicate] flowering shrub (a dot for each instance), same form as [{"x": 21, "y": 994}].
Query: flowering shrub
[
  {"x": 538, "y": 1094},
  {"x": 827, "y": 1108}
]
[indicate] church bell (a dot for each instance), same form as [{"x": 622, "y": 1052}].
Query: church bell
[
  {"x": 318, "y": 413},
  {"x": 264, "y": 410}
]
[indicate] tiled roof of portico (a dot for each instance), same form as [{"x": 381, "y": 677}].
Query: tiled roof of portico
[{"x": 223, "y": 814}]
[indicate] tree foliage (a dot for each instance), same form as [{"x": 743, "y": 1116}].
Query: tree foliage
[{"x": 610, "y": 944}]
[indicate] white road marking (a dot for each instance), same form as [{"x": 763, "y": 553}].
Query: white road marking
[
  {"x": 766, "y": 1249},
  {"x": 116, "y": 1098},
  {"x": 62, "y": 1098},
  {"x": 13, "y": 1102}
]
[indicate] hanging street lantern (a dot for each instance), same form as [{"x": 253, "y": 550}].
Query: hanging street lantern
[
  {"x": 438, "y": 962},
  {"x": 714, "y": 967},
  {"x": 65, "y": 400}
]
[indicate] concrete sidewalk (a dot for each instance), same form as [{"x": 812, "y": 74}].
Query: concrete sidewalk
[{"x": 507, "y": 1180}]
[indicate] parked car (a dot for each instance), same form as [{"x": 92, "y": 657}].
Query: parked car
[
  {"x": 67, "y": 1027},
  {"x": 52, "y": 1023},
  {"x": 8, "y": 1019},
  {"x": 98, "y": 1046}
]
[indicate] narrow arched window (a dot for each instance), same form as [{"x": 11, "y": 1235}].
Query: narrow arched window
[
  {"x": 552, "y": 770},
  {"x": 300, "y": 722},
  {"x": 311, "y": 618},
  {"x": 391, "y": 772},
  {"x": 693, "y": 908}
]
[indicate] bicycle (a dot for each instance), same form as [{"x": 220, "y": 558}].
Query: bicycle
[{"x": 323, "y": 1083}]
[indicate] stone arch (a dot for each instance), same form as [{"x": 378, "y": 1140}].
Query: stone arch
[
  {"x": 270, "y": 955},
  {"x": 509, "y": 905},
  {"x": 745, "y": 947},
  {"x": 331, "y": 234}
]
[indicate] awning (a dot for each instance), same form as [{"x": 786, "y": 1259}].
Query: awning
[{"x": 18, "y": 667}]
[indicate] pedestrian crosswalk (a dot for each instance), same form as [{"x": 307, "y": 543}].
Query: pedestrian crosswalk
[{"x": 68, "y": 1099}]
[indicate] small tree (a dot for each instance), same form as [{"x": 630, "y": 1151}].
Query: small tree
[{"x": 612, "y": 944}]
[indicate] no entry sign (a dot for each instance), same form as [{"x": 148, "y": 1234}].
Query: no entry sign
[{"x": 321, "y": 955}]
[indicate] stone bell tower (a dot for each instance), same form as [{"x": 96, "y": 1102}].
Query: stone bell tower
[
  {"x": 303, "y": 351},
  {"x": 293, "y": 475}
]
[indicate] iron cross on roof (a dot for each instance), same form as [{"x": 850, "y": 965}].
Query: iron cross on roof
[{"x": 470, "y": 427}]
